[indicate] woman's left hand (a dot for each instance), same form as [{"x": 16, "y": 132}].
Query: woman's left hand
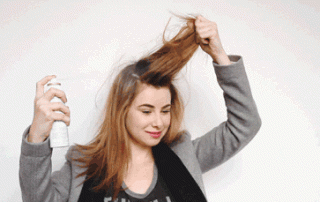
[{"x": 207, "y": 34}]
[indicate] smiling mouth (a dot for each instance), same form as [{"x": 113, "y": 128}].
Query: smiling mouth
[{"x": 155, "y": 134}]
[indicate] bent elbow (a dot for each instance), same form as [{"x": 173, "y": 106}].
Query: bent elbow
[{"x": 256, "y": 124}]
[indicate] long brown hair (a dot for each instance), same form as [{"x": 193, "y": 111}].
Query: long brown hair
[{"x": 106, "y": 157}]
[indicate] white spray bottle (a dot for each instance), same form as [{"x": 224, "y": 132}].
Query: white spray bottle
[{"x": 59, "y": 133}]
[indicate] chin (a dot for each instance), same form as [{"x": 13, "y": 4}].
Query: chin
[{"x": 153, "y": 142}]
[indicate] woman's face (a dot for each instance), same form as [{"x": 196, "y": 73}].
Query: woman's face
[{"x": 148, "y": 118}]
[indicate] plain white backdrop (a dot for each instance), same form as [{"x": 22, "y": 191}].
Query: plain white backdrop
[{"x": 83, "y": 41}]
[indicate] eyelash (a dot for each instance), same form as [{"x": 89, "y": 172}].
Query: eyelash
[{"x": 148, "y": 112}]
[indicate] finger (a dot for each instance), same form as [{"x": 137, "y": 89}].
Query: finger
[
  {"x": 205, "y": 40},
  {"x": 190, "y": 24},
  {"x": 40, "y": 85},
  {"x": 58, "y": 106},
  {"x": 61, "y": 117},
  {"x": 53, "y": 92},
  {"x": 207, "y": 35},
  {"x": 197, "y": 22},
  {"x": 200, "y": 18},
  {"x": 205, "y": 25},
  {"x": 205, "y": 31},
  {"x": 204, "y": 28}
]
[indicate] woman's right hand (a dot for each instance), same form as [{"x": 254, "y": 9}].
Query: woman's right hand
[{"x": 44, "y": 111}]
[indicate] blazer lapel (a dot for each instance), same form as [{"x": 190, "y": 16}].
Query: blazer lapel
[
  {"x": 181, "y": 184},
  {"x": 178, "y": 179},
  {"x": 88, "y": 195}
]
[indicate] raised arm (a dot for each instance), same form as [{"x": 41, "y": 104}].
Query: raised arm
[
  {"x": 36, "y": 181},
  {"x": 243, "y": 122}
]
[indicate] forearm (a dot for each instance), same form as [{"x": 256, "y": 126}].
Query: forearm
[
  {"x": 35, "y": 170},
  {"x": 221, "y": 59},
  {"x": 36, "y": 180},
  {"x": 243, "y": 122},
  {"x": 241, "y": 108}
]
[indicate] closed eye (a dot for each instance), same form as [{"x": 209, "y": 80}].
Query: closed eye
[{"x": 148, "y": 112}]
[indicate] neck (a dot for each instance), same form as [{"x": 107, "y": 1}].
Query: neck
[{"x": 140, "y": 155}]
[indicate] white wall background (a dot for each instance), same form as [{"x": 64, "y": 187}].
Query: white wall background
[{"x": 81, "y": 41}]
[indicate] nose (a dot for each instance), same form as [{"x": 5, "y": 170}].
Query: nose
[{"x": 157, "y": 121}]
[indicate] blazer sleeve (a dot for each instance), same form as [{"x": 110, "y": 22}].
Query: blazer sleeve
[
  {"x": 243, "y": 121},
  {"x": 36, "y": 181}
]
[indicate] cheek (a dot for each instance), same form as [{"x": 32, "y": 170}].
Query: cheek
[
  {"x": 141, "y": 121},
  {"x": 167, "y": 121},
  {"x": 131, "y": 123},
  {"x": 136, "y": 121}
]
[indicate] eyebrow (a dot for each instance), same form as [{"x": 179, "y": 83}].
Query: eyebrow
[{"x": 151, "y": 106}]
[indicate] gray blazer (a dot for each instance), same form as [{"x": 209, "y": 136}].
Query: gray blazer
[{"x": 200, "y": 155}]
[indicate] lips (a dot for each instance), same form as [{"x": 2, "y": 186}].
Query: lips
[{"x": 155, "y": 134}]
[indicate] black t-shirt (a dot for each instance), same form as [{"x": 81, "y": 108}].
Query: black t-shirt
[{"x": 157, "y": 192}]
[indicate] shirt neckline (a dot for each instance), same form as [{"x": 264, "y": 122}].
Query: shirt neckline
[{"x": 149, "y": 190}]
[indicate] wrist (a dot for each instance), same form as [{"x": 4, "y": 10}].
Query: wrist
[
  {"x": 34, "y": 138},
  {"x": 221, "y": 59}
]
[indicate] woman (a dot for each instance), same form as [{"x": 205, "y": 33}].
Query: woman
[{"x": 140, "y": 152}]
